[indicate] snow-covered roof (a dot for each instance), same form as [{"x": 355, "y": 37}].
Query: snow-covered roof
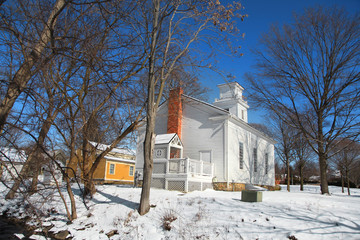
[
  {"x": 211, "y": 106},
  {"x": 12, "y": 154},
  {"x": 169, "y": 138},
  {"x": 119, "y": 159},
  {"x": 224, "y": 112},
  {"x": 103, "y": 147},
  {"x": 164, "y": 138}
]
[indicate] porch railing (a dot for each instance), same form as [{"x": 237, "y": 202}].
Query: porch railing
[{"x": 183, "y": 166}]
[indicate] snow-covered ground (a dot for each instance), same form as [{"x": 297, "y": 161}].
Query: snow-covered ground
[{"x": 208, "y": 215}]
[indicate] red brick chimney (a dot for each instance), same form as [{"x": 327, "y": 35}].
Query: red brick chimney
[{"x": 175, "y": 111}]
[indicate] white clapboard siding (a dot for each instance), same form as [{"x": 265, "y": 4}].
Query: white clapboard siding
[
  {"x": 199, "y": 133},
  {"x": 250, "y": 140},
  {"x": 161, "y": 119}
]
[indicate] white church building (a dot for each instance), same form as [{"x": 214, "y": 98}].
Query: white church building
[{"x": 198, "y": 143}]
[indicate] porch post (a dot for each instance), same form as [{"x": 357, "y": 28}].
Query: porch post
[
  {"x": 212, "y": 170},
  {"x": 168, "y": 149},
  {"x": 166, "y": 172},
  {"x": 187, "y": 174},
  {"x": 201, "y": 167}
]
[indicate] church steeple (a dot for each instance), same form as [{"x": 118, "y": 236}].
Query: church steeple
[{"x": 231, "y": 99}]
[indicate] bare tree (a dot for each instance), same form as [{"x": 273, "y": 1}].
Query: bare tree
[
  {"x": 285, "y": 136},
  {"x": 79, "y": 83},
  {"x": 303, "y": 155},
  {"x": 310, "y": 70},
  {"x": 355, "y": 173},
  {"x": 346, "y": 159},
  {"x": 102, "y": 100},
  {"x": 47, "y": 101},
  {"x": 263, "y": 128},
  {"x": 175, "y": 26},
  {"x": 32, "y": 45}
]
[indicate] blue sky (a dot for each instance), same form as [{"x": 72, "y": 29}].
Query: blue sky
[{"x": 262, "y": 14}]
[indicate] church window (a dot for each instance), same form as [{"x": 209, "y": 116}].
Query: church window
[
  {"x": 241, "y": 155},
  {"x": 266, "y": 163},
  {"x": 255, "y": 159}
]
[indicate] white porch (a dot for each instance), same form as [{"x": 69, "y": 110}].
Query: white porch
[{"x": 182, "y": 174}]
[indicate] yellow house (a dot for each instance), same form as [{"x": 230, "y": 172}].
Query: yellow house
[{"x": 118, "y": 166}]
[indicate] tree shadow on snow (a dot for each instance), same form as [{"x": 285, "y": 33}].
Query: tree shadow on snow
[
  {"x": 343, "y": 195},
  {"x": 236, "y": 199},
  {"x": 329, "y": 225},
  {"x": 326, "y": 223},
  {"x": 115, "y": 199},
  {"x": 76, "y": 191}
]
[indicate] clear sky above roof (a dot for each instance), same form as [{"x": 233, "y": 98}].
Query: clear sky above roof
[{"x": 262, "y": 14}]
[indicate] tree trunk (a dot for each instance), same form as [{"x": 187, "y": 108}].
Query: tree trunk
[
  {"x": 288, "y": 175},
  {"x": 323, "y": 174},
  {"x": 24, "y": 173},
  {"x": 89, "y": 187},
  {"x": 72, "y": 199},
  {"x": 24, "y": 73},
  {"x": 38, "y": 162},
  {"x": 33, "y": 156},
  {"x": 87, "y": 158},
  {"x": 144, "y": 206},
  {"x": 62, "y": 197},
  {"x": 342, "y": 181},
  {"x": 301, "y": 178},
  {"x": 67, "y": 179},
  {"x": 148, "y": 154},
  {"x": 322, "y": 157},
  {"x": 34, "y": 182},
  {"x": 19, "y": 179},
  {"x": 148, "y": 167},
  {"x": 347, "y": 179}
]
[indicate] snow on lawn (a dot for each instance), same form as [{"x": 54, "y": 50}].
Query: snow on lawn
[{"x": 210, "y": 215}]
